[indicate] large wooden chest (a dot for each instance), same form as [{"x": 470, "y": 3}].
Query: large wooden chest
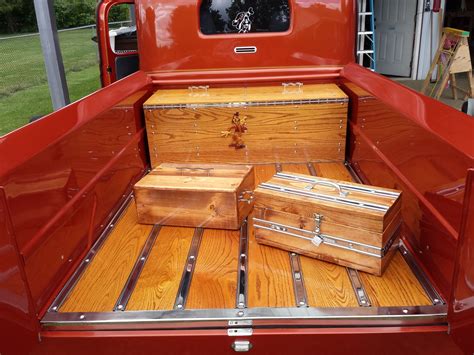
[
  {"x": 196, "y": 195},
  {"x": 298, "y": 123},
  {"x": 345, "y": 223}
]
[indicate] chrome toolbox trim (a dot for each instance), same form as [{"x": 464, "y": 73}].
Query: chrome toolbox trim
[{"x": 329, "y": 240}]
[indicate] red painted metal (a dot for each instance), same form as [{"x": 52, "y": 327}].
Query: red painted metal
[
  {"x": 247, "y": 76},
  {"x": 107, "y": 55},
  {"x": 18, "y": 329},
  {"x": 461, "y": 312},
  {"x": 400, "y": 139},
  {"x": 63, "y": 185},
  {"x": 322, "y": 33},
  {"x": 79, "y": 162},
  {"x": 420, "y": 340},
  {"x": 447, "y": 124}
]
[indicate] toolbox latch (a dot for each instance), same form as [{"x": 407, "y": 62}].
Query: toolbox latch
[
  {"x": 246, "y": 196},
  {"x": 317, "y": 239}
]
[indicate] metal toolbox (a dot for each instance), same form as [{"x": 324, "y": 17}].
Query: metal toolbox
[
  {"x": 345, "y": 223},
  {"x": 196, "y": 195}
]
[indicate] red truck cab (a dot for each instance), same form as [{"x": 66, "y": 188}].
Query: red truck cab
[{"x": 65, "y": 181}]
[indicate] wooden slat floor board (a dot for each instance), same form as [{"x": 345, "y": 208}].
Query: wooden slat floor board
[
  {"x": 159, "y": 281},
  {"x": 327, "y": 285},
  {"x": 270, "y": 283},
  {"x": 214, "y": 281},
  {"x": 398, "y": 286},
  {"x": 103, "y": 280}
]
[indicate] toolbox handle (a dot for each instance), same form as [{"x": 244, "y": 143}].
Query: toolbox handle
[
  {"x": 330, "y": 184},
  {"x": 201, "y": 90},
  {"x": 297, "y": 88}
]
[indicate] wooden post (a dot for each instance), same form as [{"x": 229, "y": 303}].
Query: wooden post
[
  {"x": 433, "y": 65},
  {"x": 458, "y": 61},
  {"x": 452, "y": 78},
  {"x": 471, "y": 84}
]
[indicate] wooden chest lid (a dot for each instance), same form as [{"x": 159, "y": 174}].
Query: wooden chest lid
[
  {"x": 195, "y": 177},
  {"x": 246, "y": 94}
]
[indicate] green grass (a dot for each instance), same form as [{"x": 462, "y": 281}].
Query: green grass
[
  {"x": 24, "y": 91},
  {"x": 17, "y": 109}
]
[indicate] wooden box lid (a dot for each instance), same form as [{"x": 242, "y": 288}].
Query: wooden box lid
[
  {"x": 363, "y": 206},
  {"x": 249, "y": 94},
  {"x": 195, "y": 177}
]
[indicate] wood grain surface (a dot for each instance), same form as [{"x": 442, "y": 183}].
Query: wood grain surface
[
  {"x": 270, "y": 283},
  {"x": 274, "y": 133},
  {"x": 214, "y": 281},
  {"x": 397, "y": 287},
  {"x": 195, "y": 196},
  {"x": 327, "y": 285},
  {"x": 99, "y": 287},
  {"x": 244, "y": 94},
  {"x": 159, "y": 281}
]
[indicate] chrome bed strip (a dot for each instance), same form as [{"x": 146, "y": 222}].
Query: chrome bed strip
[
  {"x": 307, "y": 316},
  {"x": 64, "y": 293},
  {"x": 422, "y": 278},
  {"x": 132, "y": 280},
  {"x": 185, "y": 284},
  {"x": 242, "y": 274},
  {"x": 298, "y": 281}
]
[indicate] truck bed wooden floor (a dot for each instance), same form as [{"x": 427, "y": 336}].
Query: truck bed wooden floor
[{"x": 211, "y": 282}]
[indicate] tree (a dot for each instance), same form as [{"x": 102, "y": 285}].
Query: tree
[{"x": 17, "y": 16}]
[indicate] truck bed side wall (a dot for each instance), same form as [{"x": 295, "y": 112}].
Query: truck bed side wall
[
  {"x": 401, "y": 139},
  {"x": 62, "y": 179}
]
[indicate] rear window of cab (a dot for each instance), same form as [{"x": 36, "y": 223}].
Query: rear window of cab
[{"x": 244, "y": 16}]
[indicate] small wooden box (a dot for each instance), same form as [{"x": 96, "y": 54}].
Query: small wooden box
[
  {"x": 345, "y": 223},
  {"x": 196, "y": 195}
]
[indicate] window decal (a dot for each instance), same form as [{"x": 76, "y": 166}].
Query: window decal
[{"x": 242, "y": 21}]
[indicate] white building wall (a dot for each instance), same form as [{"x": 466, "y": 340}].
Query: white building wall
[{"x": 427, "y": 35}]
